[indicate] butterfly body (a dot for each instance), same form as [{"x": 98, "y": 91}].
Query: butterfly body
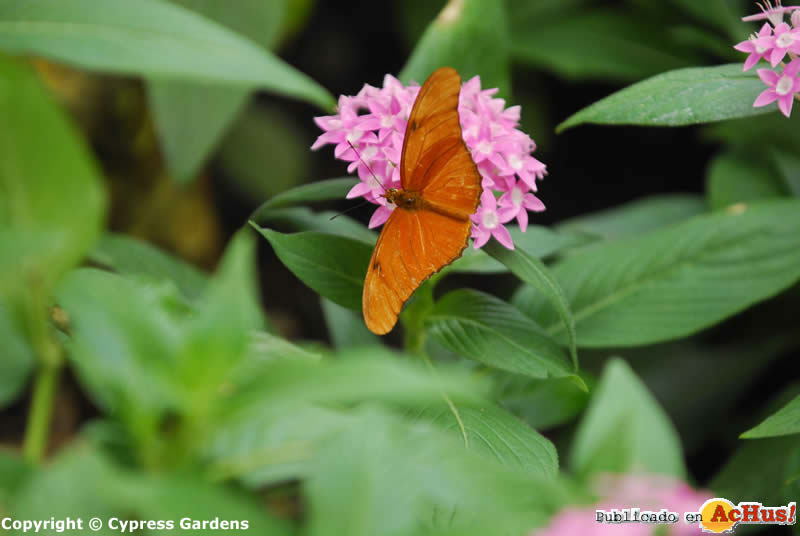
[{"x": 430, "y": 226}]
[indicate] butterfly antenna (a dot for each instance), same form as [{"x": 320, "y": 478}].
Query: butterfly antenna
[
  {"x": 351, "y": 209},
  {"x": 380, "y": 183}
]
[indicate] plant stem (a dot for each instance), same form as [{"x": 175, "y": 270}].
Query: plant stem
[
  {"x": 41, "y": 412},
  {"x": 48, "y": 373}
]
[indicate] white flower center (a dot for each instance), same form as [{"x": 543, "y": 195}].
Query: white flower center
[
  {"x": 516, "y": 197},
  {"x": 354, "y": 135},
  {"x": 484, "y": 147},
  {"x": 761, "y": 50},
  {"x": 784, "y": 85},
  {"x": 387, "y": 121},
  {"x": 368, "y": 153},
  {"x": 784, "y": 40},
  {"x": 489, "y": 220},
  {"x": 515, "y": 162}
]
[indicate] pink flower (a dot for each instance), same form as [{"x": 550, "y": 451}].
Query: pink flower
[
  {"x": 756, "y": 52},
  {"x": 784, "y": 39},
  {"x": 646, "y": 492},
  {"x": 781, "y": 87},
  {"x": 489, "y": 223},
  {"x": 516, "y": 203},
  {"x": 374, "y": 122}
]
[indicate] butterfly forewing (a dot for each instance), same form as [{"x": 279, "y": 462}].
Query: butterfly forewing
[{"x": 416, "y": 243}]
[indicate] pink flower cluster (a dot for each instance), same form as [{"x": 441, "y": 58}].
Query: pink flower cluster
[
  {"x": 374, "y": 122},
  {"x": 646, "y": 492},
  {"x": 773, "y": 42}
]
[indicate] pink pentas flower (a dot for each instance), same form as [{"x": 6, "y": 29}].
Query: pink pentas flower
[
  {"x": 782, "y": 87},
  {"x": 374, "y": 122},
  {"x": 755, "y": 51},
  {"x": 619, "y": 492},
  {"x": 783, "y": 39}
]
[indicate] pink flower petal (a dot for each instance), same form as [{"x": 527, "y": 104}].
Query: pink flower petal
[
  {"x": 379, "y": 217},
  {"x": 766, "y": 97}
]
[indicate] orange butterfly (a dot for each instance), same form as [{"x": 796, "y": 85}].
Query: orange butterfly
[{"x": 441, "y": 189}]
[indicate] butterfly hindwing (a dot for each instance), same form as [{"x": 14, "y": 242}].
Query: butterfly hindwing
[{"x": 412, "y": 246}]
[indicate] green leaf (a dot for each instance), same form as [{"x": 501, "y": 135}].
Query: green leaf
[
  {"x": 190, "y": 119},
  {"x": 128, "y": 256},
  {"x": 740, "y": 178},
  {"x": 327, "y": 190},
  {"x": 331, "y": 265},
  {"x": 533, "y": 272},
  {"x": 721, "y": 14},
  {"x": 346, "y": 328},
  {"x": 150, "y": 38},
  {"x": 16, "y": 357},
  {"x": 326, "y": 221},
  {"x": 624, "y": 430},
  {"x": 281, "y": 411},
  {"x": 598, "y": 43},
  {"x": 124, "y": 341},
  {"x": 758, "y": 468},
  {"x": 51, "y": 206},
  {"x": 676, "y": 98},
  {"x": 675, "y": 281},
  {"x": 788, "y": 165},
  {"x": 494, "y": 432},
  {"x": 486, "y": 329},
  {"x": 14, "y": 471},
  {"x": 635, "y": 217},
  {"x": 265, "y": 152},
  {"x": 97, "y": 488},
  {"x": 785, "y": 421},
  {"x": 470, "y": 36},
  {"x": 544, "y": 403},
  {"x": 217, "y": 338},
  {"x": 381, "y": 475}
]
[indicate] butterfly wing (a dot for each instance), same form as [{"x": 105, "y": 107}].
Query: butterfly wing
[
  {"x": 415, "y": 244},
  {"x": 435, "y": 160},
  {"x": 412, "y": 246}
]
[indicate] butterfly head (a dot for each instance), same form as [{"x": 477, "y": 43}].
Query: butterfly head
[{"x": 406, "y": 199}]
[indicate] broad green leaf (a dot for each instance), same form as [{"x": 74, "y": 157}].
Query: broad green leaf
[
  {"x": 124, "y": 341},
  {"x": 264, "y": 153},
  {"x": 676, "y": 98},
  {"x": 486, "y": 329},
  {"x": 544, "y": 403},
  {"x": 327, "y": 190},
  {"x": 759, "y": 468},
  {"x": 758, "y": 134},
  {"x": 128, "y": 256},
  {"x": 624, "y": 429},
  {"x": 277, "y": 417},
  {"x": 150, "y": 38},
  {"x": 346, "y": 328},
  {"x": 304, "y": 219},
  {"x": 675, "y": 281},
  {"x": 494, "y": 432},
  {"x": 470, "y": 36},
  {"x": 51, "y": 205},
  {"x": 635, "y": 217},
  {"x": 786, "y": 421},
  {"x": 218, "y": 336},
  {"x": 537, "y": 241},
  {"x": 266, "y": 346},
  {"x": 736, "y": 178},
  {"x": 359, "y": 374},
  {"x": 532, "y": 271},
  {"x": 415, "y": 479},
  {"x": 596, "y": 43},
  {"x": 16, "y": 357},
  {"x": 81, "y": 483},
  {"x": 14, "y": 471},
  {"x": 331, "y": 265},
  {"x": 788, "y": 165},
  {"x": 190, "y": 119}
]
